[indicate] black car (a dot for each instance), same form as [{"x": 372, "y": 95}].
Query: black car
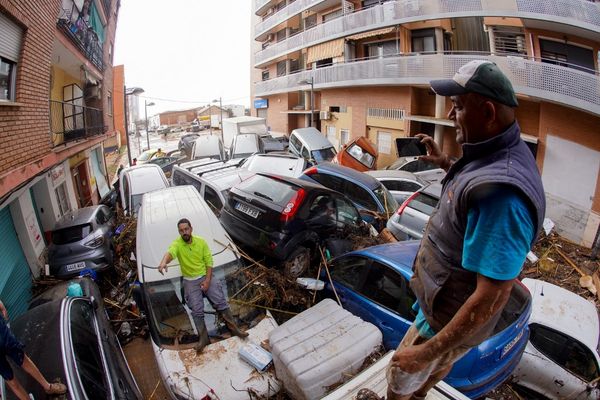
[
  {"x": 166, "y": 163},
  {"x": 286, "y": 218},
  {"x": 71, "y": 338},
  {"x": 186, "y": 142}
]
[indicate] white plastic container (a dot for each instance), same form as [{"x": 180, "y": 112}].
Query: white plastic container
[{"x": 319, "y": 348}]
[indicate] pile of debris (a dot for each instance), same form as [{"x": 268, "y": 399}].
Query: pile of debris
[{"x": 566, "y": 264}]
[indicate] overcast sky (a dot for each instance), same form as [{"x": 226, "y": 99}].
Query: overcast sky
[{"x": 192, "y": 51}]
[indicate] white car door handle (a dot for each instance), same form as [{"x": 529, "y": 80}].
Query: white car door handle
[{"x": 559, "y": 382}]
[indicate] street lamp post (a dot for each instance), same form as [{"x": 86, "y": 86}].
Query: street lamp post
[
  {"x": 127, "y": 92},
  {"x": 312, "y": 99},
  {"x": 221, "y": 112},
  {"x": 146, "y": 105}
]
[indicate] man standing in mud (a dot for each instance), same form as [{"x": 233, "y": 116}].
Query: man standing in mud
[
  {"x": 490, "y": 212},
  {"x": 195, "y": 260}
]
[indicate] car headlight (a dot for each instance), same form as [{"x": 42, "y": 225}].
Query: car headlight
[{"x": 96, "y": 242}]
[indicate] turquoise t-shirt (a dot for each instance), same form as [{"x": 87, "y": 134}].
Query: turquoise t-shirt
[{"x": 499, "y": 233}]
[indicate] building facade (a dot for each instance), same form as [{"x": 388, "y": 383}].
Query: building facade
[
  {"x": 366, "y": 66},
  {"x": 56, "y": 112}
]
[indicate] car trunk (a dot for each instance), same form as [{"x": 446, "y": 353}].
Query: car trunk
[{"x": 68, "y": 242}]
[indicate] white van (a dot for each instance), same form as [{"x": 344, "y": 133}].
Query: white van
[
  {"x": 208, "y": 146},
  {"x": 185, "y": 374},
  {"x": 312, "y": 145},
  {"x": 137, "y": 180}
]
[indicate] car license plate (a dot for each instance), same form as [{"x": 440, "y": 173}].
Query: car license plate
[
  {"x": 246, "y": 210},
  {"x": 510, "y": 345},
  {"x": 76, "y": 266}
]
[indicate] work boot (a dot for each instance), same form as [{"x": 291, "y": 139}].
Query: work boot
[
  {"x": 203, "y": 339},
  {"x": 230, "y": 322}
]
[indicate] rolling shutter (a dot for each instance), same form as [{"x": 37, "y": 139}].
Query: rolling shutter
[
  {"x": 10, "y": 38},
  {"x": 15, "y": 275}
]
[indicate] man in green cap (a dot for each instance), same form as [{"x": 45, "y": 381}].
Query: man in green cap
[{"x": 490, "y": 212}]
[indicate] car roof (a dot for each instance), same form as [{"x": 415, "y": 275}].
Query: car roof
[
  {"x": 399, "y": 255},
  {"x": 394, "y": 174},
  {"x": 287, "y": 164},
  {"x": 230, "y": 178},
  {"x": 349, "y": 173},
  {"x": 77, "y": 217},
  {"x": 157, "y": 229},
  {"x": 313, "y": 138},
  {"x": 563, "y": 311},
  {"x": 145, "y": 178}
]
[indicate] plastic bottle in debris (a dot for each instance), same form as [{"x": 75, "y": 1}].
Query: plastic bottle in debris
[{"x": 126, "y": 328}]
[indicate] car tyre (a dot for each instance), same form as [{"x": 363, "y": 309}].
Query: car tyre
[{"x": 297, "y": 263}]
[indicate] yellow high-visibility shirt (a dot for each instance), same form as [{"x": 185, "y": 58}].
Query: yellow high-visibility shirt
[{"x": 193, "y": 257}]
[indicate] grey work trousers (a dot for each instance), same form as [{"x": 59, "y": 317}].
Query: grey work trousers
[{"x": 194, "y": 296}]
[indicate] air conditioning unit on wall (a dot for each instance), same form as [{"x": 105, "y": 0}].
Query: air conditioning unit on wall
[{"x": 324, "y": 115}]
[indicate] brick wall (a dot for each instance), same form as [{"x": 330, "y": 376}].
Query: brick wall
[{"x": 24, "y": 128}]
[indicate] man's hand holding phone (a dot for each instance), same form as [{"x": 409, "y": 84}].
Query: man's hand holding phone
[{"x": 434, "y": 153}]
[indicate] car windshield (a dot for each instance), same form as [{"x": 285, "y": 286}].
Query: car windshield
[
  {"x": 323, "y": 154},
  {"x": 386, "y": 199},
  {"x": 145, "y": 156},
  {"x": 360, "y": 155},
  {"x": 267, "y": 188},
  {"x": 171, "y": 322},
  {"x": 424, "y": 203},
  {"x": 71, "y": 234},
  {"x": 86, "y": 350}
]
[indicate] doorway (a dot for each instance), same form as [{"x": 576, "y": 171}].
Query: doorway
[{"x": 82, "y": 186}]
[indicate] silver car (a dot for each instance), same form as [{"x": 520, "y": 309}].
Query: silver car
[
  {"x": 423, "y": 169},
  {"x": 412, "y": 216},
  {"x": 81, "y": 240},
  {"x": 401, "y": 184}
]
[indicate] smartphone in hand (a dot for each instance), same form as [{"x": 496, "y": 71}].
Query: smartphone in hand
[{"x": 410, "y": 146}]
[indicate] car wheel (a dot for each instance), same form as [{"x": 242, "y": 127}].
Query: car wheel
[{"x": 297, "y": 263}]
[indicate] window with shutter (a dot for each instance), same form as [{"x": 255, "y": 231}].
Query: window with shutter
[{"x": 11, "y": 36}]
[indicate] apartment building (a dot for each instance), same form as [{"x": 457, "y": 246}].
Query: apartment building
[
  {"x": 56, "y": 112},
  {"x": 361, "y": 68}
]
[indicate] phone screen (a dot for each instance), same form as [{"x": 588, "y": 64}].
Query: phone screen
[{"x": 410, "y": 146}]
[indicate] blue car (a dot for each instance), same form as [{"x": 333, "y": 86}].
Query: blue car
[
  {"x": 373, "y": 283},
  {"x": 368, "y": 194}
]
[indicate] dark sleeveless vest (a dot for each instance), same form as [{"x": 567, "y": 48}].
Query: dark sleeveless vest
[{"x": 440, "y": 282}]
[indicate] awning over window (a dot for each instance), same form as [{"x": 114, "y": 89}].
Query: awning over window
[
  {"x": 331, "y": 49},
  {"x": 377, "y": 32}
]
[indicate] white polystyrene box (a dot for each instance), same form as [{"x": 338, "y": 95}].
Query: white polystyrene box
[{"x": 319, "y": 347}]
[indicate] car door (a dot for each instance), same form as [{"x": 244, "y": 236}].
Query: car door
[
  {"x": 556, "y": 365},
  {"x": 376, "y": 293},
  {"x": 363, "y": 199}
]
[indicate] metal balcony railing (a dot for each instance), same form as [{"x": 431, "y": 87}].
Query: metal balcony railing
[
  {"x": 579, "y": 13},
  {"x": 258, "y": 4},
  {"x": 70, "y": 122},
  {"x": 282, "y": 15},
  {"x": 554, "y": 83},
  {"x": 84, "y": 37}
]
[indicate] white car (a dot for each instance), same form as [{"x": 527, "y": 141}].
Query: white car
[
  {"x": 401, "y": 184},
  {"x": 218, "y": 372},
  {"x": 137, "y": 180},
  {"x": 561, "y": 359}
]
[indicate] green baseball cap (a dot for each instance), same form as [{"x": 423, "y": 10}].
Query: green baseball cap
[{"x": 478, "y": 76}]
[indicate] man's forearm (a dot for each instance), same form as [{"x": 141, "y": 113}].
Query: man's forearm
[
  {"x": 208, "y": 273},
  {"x": 489, "y": 298},
  {"x": 167, "y": 258}
]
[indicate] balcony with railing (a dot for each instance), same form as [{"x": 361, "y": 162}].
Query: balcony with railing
[
  {"x": 83, "y": 37},
  {"x": 70, "y": 122},
  {"x": 283, "y": 15},
  {"x": 581, "y": 16},
  {"x": 260, "y": 6},
  {"x": 554, "y": 83}
]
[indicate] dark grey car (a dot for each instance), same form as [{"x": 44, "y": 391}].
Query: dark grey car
[
  {"x": 71, "y": 339},
  {"x": 81, "y": 240}
]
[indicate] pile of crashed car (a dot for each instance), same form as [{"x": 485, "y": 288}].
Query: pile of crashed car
[{"x": 295, "y": 212}]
